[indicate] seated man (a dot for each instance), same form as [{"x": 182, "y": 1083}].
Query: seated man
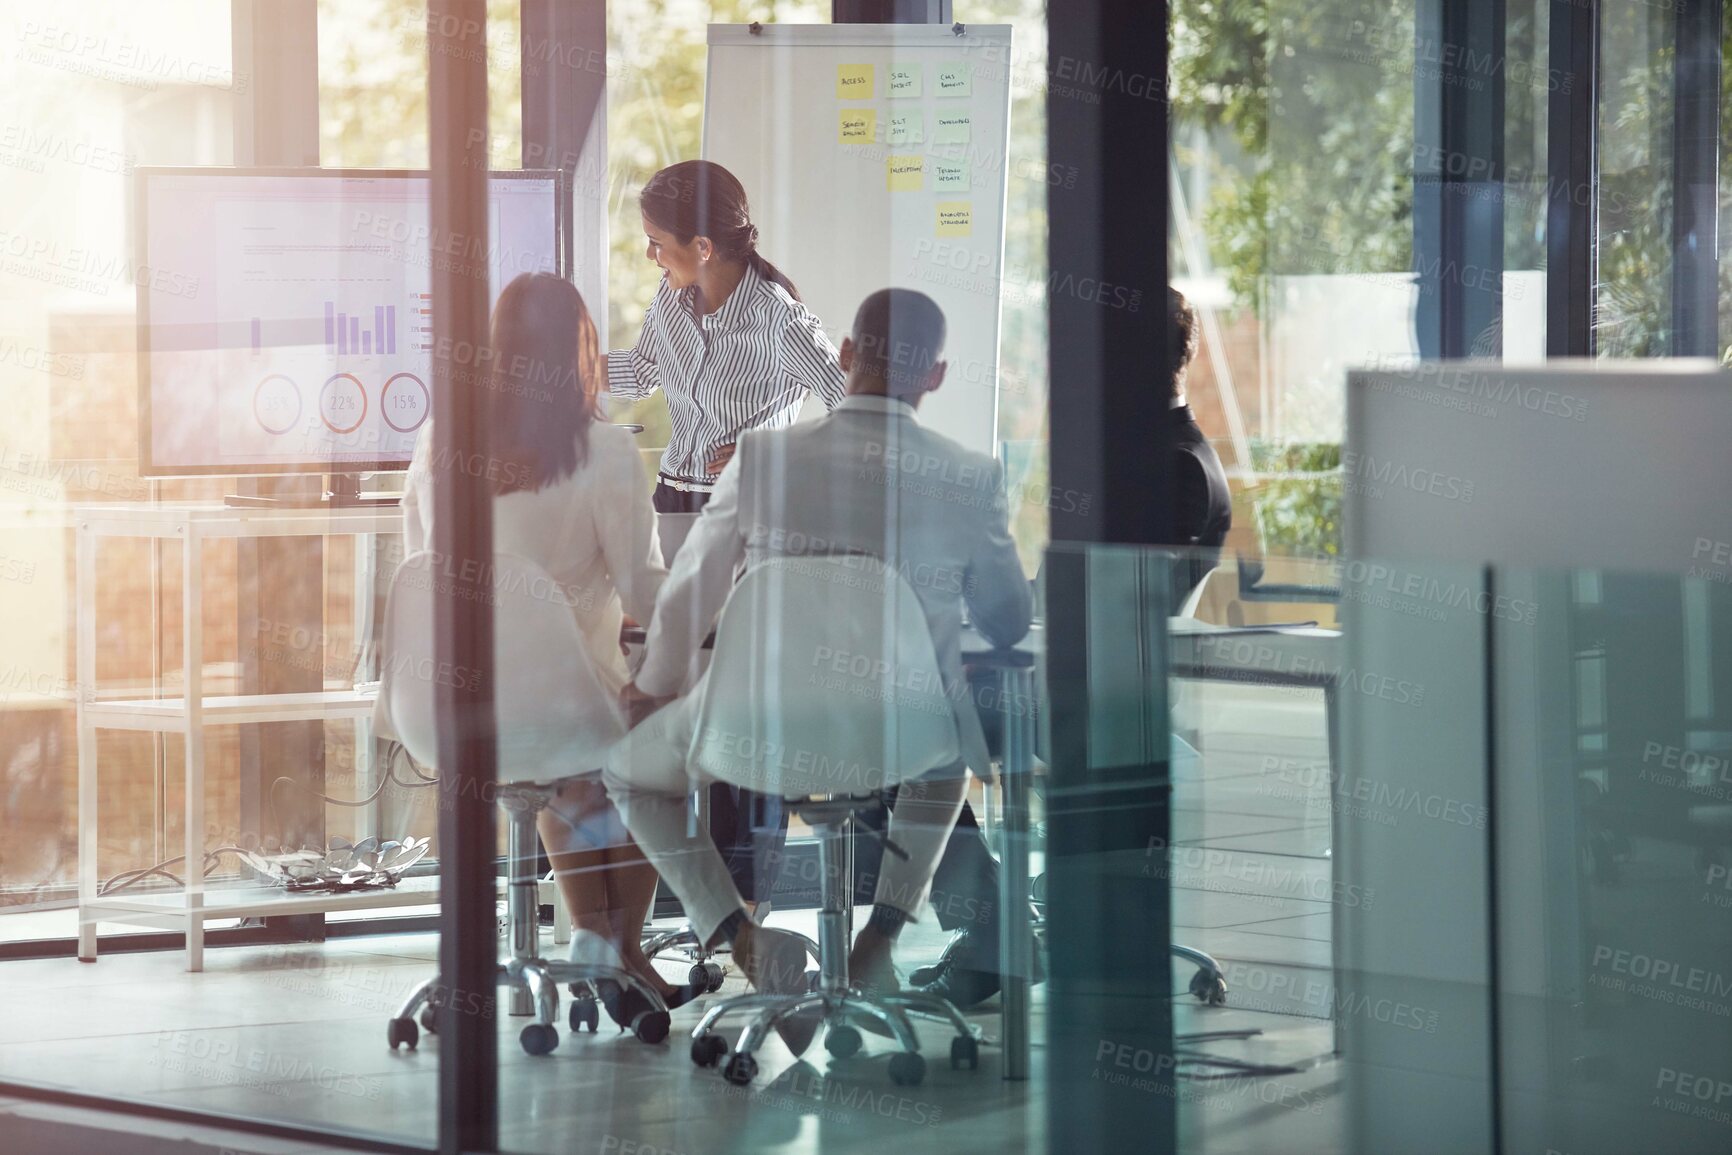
[
  {"x": 867, "y": 478},
  {"x": 1198, "y": 514}
]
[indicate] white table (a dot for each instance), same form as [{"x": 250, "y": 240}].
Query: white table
[{"x": 190, "y": 713}]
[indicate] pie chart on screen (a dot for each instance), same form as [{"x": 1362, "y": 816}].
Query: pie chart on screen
[
  {"x": 343, "y": 403},
  {"x": 276, "y": 404},
  {"x": 404, "y": 402}
]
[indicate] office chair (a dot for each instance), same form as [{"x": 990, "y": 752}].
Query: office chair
[
  {"x": 1209, "y": 982},
  {"x": 555, "y": 721},
  {"x": 765, "y": 692}
]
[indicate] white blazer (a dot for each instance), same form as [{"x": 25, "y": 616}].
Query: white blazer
[
  {"x": 867, "y": 478},
  {"x": 593, "y": 532}
]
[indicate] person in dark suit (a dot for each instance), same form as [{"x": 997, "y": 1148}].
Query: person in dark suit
[
  {"x": 1199, "y": 512},
  {"x": 1194, "y": 520}
]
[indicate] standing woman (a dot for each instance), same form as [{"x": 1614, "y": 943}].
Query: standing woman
[{"x": 730, "y": 344}]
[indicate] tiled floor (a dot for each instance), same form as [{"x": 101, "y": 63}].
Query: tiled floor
[{"x": 297, "y": 1033}]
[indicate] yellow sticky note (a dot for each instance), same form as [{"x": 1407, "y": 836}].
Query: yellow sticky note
[
  {"x": 857, "y": 126},
  {"x": 854, "y": 82},
  {"x": 949, "y": 176},
  {"x": 906, "y": 173},
  {"x": 955, "y": 218}
]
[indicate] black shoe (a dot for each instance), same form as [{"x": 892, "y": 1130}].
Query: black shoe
[
  {"x": 623, "y": 1003},
  {"x": 920, "y": 976},
  {"x": 968, "y": 974}
]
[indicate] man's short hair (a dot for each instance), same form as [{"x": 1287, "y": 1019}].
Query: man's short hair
[
  {"x": 1182, "y": 337},
  {"x": 898, "y": 337}
]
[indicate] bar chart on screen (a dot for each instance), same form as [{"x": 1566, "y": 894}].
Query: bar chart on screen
[{"x": 310, "y": 343}]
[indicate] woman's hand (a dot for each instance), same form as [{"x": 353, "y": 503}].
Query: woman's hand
[
  {"x": 639, "y": 705},
  {"x": 720, "y": 458}
]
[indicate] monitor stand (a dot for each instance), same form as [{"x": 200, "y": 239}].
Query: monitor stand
[{"x": 344, "y": 493}]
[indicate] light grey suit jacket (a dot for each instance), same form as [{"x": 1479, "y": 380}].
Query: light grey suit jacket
[{"x": 867, "y": 478}]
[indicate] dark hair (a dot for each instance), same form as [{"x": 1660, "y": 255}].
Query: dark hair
[
  {"x": 1182, "y": 336},
  {"x": 547, "y": 369},
  {"x": 699, "y": 198},
  {"x": 898, "y": 335}
]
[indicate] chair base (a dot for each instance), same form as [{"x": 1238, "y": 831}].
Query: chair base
[
  {"x": 534, "y": 985},
  {"x": 705, "y": 971},
  {"x": 838, "y": 1011},
  {"x": 837, "y": 1003},
  {"x": 1209, "y": 984},
  {"x": 533, "y": 982}
]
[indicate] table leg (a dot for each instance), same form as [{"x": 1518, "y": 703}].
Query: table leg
[
  {"x": 88, "y": 794},
  {"x": 192, "y": 660},
  {"x": 1016, "y": 946}
]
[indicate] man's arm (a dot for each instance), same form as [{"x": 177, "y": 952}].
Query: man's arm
[
  {"x": 696, "y": 590},
  {"x": 1000, "y": 603}
]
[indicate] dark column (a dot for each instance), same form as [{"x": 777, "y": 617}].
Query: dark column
[
  {"x": 1458, "y": 106},
  {"x": 280, "y": 582},
  {"x": 890, "y": 11},
  {"x": 463, "y": 627},
  {"x": 1108, "y": 921},
  {"x": 1696, "y": 181},
  {"x": 1572, "y": 185},
  {"x": 564, "y": 47}
]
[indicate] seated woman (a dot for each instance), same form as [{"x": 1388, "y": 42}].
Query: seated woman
[{"x": 570, "y": 494}]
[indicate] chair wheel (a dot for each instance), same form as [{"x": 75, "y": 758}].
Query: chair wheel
[
  {"x": 740, "y": 1069},
  {"x": 907, "y": 1069},
  {"x": 650, "y": 1026},
  {"x": 964, "y": 1052},
  {"x": 402, "y": 1031},
  {"x": 538, "y": 1040},
  {"x": 707, "y": 1050},
  {"x": 715, "y": 974},
  {"x": 430, "y": 1019},
  {"x": 1209, "y": 987},
  {"x": 842, "y": 1041},
  {"x": 584, "y": 1014}
]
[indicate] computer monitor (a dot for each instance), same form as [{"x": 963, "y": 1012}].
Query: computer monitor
[{"x": 285, "y": 315}]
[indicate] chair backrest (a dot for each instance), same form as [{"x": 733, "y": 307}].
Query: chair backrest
[
  {"x": 671, "y": 531},
  {"x": 555, "y": 717},
  {"x": 1194, "y": 599},
  {"x": 824, "y": 681}
]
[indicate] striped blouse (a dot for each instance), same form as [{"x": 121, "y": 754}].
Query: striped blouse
[{"x": 745, "y": 366}]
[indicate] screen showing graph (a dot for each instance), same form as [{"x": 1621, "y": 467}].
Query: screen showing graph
[{"x": 287, "y": 324}]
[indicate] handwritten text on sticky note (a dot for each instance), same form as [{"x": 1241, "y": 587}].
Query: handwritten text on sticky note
[
  {"x": 955, "y": 80},
  {"x": 952, "y": 128},
  {"x": 854, "y": 82},
  {"x": 906, "y": 173},
  {"x": 907, "y": 128},
  {"x": 955, "y": 218},
  {"x": 904, "y": 81},
  {"x": 857, "y": 126},
  {"x": 949, "y": 176}
]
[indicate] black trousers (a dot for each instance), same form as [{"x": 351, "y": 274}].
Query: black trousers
[{"x": 750, "y": 829}]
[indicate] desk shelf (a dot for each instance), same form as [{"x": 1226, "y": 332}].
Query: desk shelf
[
  {"x": 195, "y": 709},
  {"x": 170, "y": 714},
  {"x": 173, "y": 908}
]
